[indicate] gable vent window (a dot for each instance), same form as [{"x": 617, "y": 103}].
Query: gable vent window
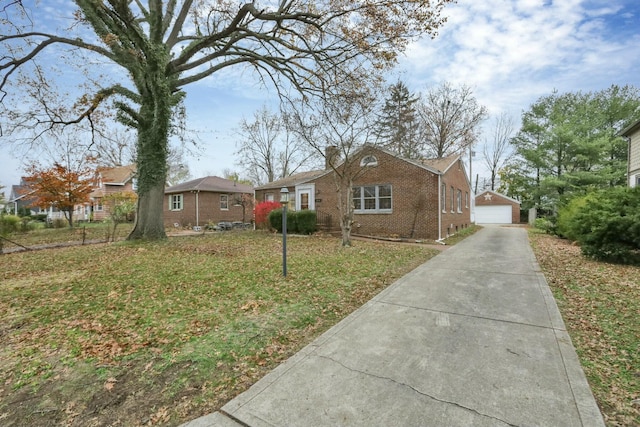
[{"x": 369, "y": 161}]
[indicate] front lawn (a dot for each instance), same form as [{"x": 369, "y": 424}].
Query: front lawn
[
  {"x": 147, "y": 334},
  {"x": 600, "y": 305}
]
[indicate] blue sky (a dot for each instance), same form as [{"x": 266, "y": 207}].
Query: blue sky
[{"x": 510, "y": 52}]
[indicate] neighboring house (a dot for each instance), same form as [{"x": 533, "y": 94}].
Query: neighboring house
[
  {"x": 632, "y": 133},
  {"x": 20, "y": 199},
  {"x": 208, "y": 200},
  {"x": 393, "y": 197},
  {"x": 496, "y": 208},
  {"x": 120, "y": 179}
]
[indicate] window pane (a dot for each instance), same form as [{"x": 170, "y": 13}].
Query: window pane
[
  {"x": 384, "y": 191},
  {"x": 369, "y": 191},
  {"x": 370, "y": 204},
  {"x": 385, "y": 203}
]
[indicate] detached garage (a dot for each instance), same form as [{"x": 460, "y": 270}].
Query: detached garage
[{"x": 496, "y": 208}]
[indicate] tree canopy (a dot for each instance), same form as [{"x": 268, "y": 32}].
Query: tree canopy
[
  {"x": 154, "y": 49},
  {"x": 568, "y": 144},
  {"x": 397, "y": 124},
  {"x": 450, "y": 119},
  {"x": 59, "y": 186}
]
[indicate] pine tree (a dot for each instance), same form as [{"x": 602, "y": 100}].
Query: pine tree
[{"x": 396, "y": 125}]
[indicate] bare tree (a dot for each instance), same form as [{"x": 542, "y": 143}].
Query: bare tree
[
  {"x": 450, "y": 119},
  {"x": 497, "y": 151},
  {"x": 337, "y": 127},
  {"x": 117, "y": 148},
  {"x": 267, "y": 148},
  {"x": 158, "y": 47}
]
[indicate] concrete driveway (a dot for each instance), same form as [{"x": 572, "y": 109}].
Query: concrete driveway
[{"x": 473, "y": 337}]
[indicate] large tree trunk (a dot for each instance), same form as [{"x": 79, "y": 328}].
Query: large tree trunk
[
  {"x": 149, "y": 224},
  {"x": 153, "y": 136}
]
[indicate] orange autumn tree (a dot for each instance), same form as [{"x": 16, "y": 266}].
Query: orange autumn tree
[{"x": 59, "y": 186}]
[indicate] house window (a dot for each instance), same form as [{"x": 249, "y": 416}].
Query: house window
[
  {"x": 268, "y": 197},
  {"x": 369, "y": 161},
  {"x": 372, "y": 199},
  {"x": 443, "y": 197},
  {"x": 175, "y": 202},
  {"x": 97, "y": 205},
  {"x": 466, "y": 199},
  {"x": 452, "y": 197},
  {"x": 459, "y": 201},
  {"x": 224, "y": 202}
]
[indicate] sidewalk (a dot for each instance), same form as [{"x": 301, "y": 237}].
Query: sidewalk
[{"x": 472, "y": 337}]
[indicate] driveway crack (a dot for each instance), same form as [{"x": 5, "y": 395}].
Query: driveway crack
[{"x": 434, "y": 398}]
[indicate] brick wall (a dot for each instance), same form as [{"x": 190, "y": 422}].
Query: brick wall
[
  {"x": 415, "y": 200},
  {"x": 454, "y": 220},
  {"x": 208, "y": 208}
]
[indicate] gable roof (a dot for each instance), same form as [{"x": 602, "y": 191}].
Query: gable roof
[
  {"x": 118, "y": 175},
  {"x": 633, "y": 127},
  {"x": 213, "y": 184},
  {"x": 293, "y": 180},
  {"x": 20, "y": 191},
  {"x": 436, "y": 166},
  {"x": 441, "y": 165},
  {"x": 495, "y": 193}
]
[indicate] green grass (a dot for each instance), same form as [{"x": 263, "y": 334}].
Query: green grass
[{"x": 179, "y": 326}]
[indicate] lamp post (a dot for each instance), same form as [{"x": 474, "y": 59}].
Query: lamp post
[{"x": 284, "y": 200}]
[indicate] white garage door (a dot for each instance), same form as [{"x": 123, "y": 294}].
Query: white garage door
[{"x": 498, "y": 214}]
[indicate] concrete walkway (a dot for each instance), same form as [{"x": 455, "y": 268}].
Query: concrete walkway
[{"x": 472, "y": 337}]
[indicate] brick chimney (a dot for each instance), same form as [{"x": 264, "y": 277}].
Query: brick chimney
[{"x": 331, "y": 156}]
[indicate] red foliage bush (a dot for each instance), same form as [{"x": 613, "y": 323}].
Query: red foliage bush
[{"x": 262, "y": 213}]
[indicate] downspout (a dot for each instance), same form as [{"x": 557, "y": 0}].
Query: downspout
[
  {"x": 197, "y": 209},
  {"x": 439, "y": 210}
]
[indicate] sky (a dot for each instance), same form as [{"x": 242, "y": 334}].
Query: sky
[{"x": 510, "y": 52}]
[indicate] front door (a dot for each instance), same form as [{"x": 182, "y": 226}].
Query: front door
[{"x": 304, "y": 197}]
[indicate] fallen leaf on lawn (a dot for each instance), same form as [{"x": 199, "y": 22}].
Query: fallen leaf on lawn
[{"x": 111, "y": 382}]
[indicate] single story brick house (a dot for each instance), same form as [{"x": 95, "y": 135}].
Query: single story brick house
[
  {"x": 393, "y": 196},
  {"x": 207, "y": 200},
  {"x": 496, "y": 208},
  {"x": 108, "y": 181}
]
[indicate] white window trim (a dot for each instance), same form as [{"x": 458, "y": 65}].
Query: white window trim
[
  {"x": 179, "y": 201},
  {"x": 443, "y": 195},
  {"x": 369, "y": 160},
  {"x": 377, "y": 210},
  {"x": 297, "y": 198},
  {"x": 453, "y": 195},
  {"x": 459, "y": 200},
  {"x": 226, "y": 201}
]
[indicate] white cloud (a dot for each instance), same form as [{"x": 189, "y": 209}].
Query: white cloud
[{"x": 512, "y": 52}]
